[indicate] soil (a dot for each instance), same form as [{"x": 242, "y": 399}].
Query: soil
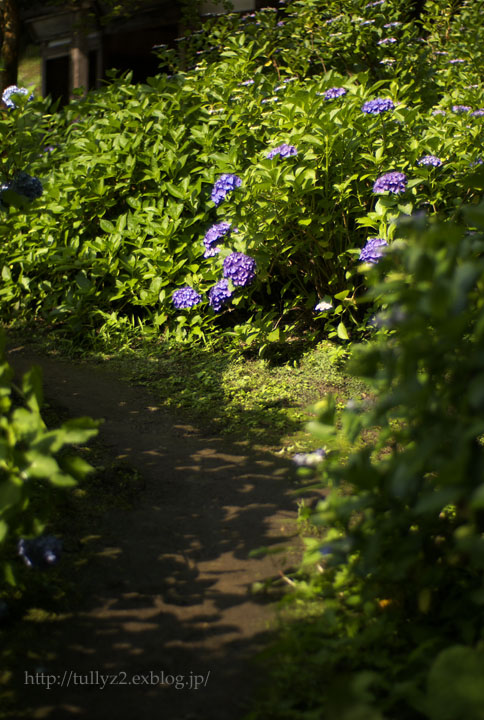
[{"x": 167, "y": 625}]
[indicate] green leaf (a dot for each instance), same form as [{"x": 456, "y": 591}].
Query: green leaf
[{"x": 342, "y": 332}]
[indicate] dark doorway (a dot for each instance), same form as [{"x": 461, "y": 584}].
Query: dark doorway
[{"x": 57, "y": 72}]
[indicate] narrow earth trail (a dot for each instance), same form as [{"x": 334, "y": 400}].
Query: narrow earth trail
[{"x": 167, "y": 589}]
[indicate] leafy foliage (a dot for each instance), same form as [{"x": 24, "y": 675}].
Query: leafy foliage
[
  {"x": 131, "y": 170},
  {"x": 394, "y": 582}
]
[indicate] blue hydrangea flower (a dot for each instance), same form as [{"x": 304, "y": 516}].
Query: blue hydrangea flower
[
  {"x": 225, "y": 184},
  {"x": 219, "y": 294},
  {"x": 14, "y": 90},
  {"x": 239, "y": 268},
  {"x": 371, "y": 253},
  {"x": 393, "y": 182},
  {"x": 40, "y": 552},
  {"x": 185, "y": 297},
  {"x": 430, "y": 160},
  {"x": 377, "y": 106},
  {"x": 334, "y": 92},
  {"x": 26, "y": 185},
  {"x": 284, "y": 151},
  {"x": 212, "y": 237},
  {"x": 461, "y": 108}
]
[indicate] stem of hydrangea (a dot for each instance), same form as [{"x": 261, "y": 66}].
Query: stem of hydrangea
[{"x": 384, "y": 137}]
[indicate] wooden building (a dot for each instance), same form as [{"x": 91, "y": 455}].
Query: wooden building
[{"x": 78, "y": 46}]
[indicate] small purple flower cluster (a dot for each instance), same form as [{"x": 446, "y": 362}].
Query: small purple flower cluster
[
  {"x": 461, "y": 108},
  {"x": 219, "y": 294},
  {"x": 478, "y": 113},
  {"x": 14, "y": 90},
  {"x": 430, "y": 160},
  {"x": 374, "y": 4},
  {"x": 334, "y": 93},
  {"x": 284, "y": 151},
  {"x": 387, "y": 41},
  {"x": 371, "y": 253},
  {"x": 377, "y": 106},
  {"x": 185, "y": 297},
  {"x": 393, "y": 182},
  {"x": 40, "y": 552},
  {"x": 239, "y": 268},
  {"x": 225, "y": 184},
  {"x": 212, "y": 237}
]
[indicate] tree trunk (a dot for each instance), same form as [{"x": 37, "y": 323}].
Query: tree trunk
[{"x": 9, "y": 28}]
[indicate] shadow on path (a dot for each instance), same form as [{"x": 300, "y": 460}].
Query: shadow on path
[{"x": 166, "y": 593}]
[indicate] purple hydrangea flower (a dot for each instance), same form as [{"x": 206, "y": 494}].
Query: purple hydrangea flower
[
  {"x": 284, "y": 151},
  {"x": 393, "y": 182},
  {"x": 377, "y": 106},
  {"x": 239, "y": 268},
  {"x": 478, "y": 113},
  {"x": 334, "y": 92},
  {"x": 26, "y": 185},
  {"x": 461, "y": 108},
  {"x": 225, "y": 184},
  {"x": 14, "y": 90},
  {"x": 430, "y": 160},
  {"x": 219, "y": 294},
  {"x": 212, "y": 236},
  {"x": 371, "y": 253},
  {"x": 40, "y": 552},
  {"x": 387, "y": 41},
  {"x": 185, "y": 297}
]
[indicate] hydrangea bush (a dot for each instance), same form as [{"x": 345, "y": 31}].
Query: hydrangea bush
[{"x": 338, "y": 152}]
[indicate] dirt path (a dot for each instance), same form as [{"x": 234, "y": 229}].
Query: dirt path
[{"x": 167, "y": 588}]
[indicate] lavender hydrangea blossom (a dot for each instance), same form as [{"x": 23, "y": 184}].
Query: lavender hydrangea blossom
[
  {"x": 334, "y": 93},
  {"x": 239, "y": 268},
  {"x": 461, "y": 108},
  {"x": 40, "y": 552},
  {"x": 219, "y": 294},
  {"x": 371, "y": 253},
  {"x": 213, "y": 236},
  {"x": 14, "y": 90},
  {"x": 185, "y": 297},
  {"x": 377, "y": 106},
  {"x": 478, "y": 113},
  {"x": 393, "y": 182},
  {"x": 284, "y": 151},
  {"x": 430, "y": 160},
  {"x": 225, "y": 184}
]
